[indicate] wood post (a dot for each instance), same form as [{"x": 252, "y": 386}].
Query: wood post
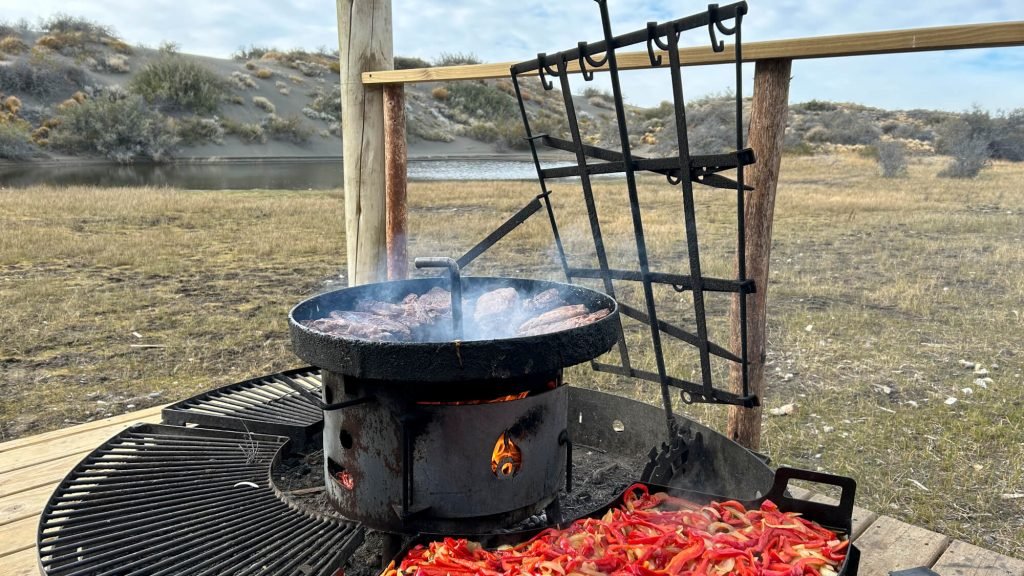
[
  {"x": 364, "y": 37},
  {"x": 767, "y": 126},
  {"x": 395, "y": 158}
]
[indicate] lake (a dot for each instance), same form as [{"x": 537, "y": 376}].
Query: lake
[{"x": 313, "y": 174}]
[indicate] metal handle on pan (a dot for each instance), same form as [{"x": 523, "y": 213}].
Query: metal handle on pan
[
  {"x": 312, "y": 398},
  {"x": 456, "y": 287},
  {"x": 829, "y": 515}
]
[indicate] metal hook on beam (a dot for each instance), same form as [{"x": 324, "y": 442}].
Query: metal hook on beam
[
  {"x": 540, "y": 71},
  {"x": 652, "y": 38}
]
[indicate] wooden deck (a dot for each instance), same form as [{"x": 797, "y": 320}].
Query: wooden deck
[{"x": 31, "y": 467}]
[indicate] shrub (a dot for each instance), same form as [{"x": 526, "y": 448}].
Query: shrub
[
  {"x": 196, "y": 130},
  {"x": 114, "y": 126},
  {"x": 242, "y": 81},
  {"x": 456, "y": 59},
  {"x": 250, "y": 53},
  {"x": 816, "y": 106},
  {"x": 181, "y": 83},
  {"x": 312, "y": 69},
  {"x": 892, "y": 158},
  {"x": 61, "y": 23},
  {"x": 405, "y": 63},
  {"x": 844, "y": 127},
  {"x": 327, "y": 103},
  {"x": 264, "y": 104},
  {"x": 116, "y": 63},
  {"x": 119, "y": 46},
  {"x": 79, "y": 96},
  {"x": 52, "y": 42},
  {"x": 967, "y": 144},
  {"x": 482, "y": 101},
  {"x": 290, "y": 129},
  {"x": 41, "y": 79},
  {"x": 236, "y": 99},
  {"x": 264, "y": 73},
  {"x": 13, "y": 45},
  {"x": 1008, "y": 136},
  {"x": 12, "y": 104},
  {"x": 248, "y": 133},
  {"x": 439, "y": 93},
  {"x": 281, "y": 84},
  {"x": 593, "y": 92},
  {"x": 169, "y": 48},
  {"x": 250, "y": 65},
  {"x": 15, "y": 141}
]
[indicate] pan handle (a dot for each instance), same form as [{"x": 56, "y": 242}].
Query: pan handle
[
  {"x": 456, "y": 287},
  {"x": 835, "y": 516},
  {"x": 312, "y": 398}
]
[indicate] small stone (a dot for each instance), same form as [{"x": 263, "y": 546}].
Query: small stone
[
  {"x": 967, "y": 391},
  {"x": 827, "y": 429},
  {"x": 911, "y": 403},
  {"x": 966, "y": 364},
  {"x": 787, "y": 377},
  {"x": 129, "y": 406},
  {"x": 981, "y": 372},
  {"x": 980, "y": 382},
  {"x": 783, "y": 410},
  {"x": 978, "y": 467},
  {"x": 950, "y": 401},
  {"x": 101, "y": 402},
  {"x": 809, "y": 328},
  {"x": 155, "y": 394}
]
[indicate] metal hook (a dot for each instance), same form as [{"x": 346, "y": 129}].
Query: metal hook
[
  {"x": 673, "y": 180},
  {"x": 540, "y": 70},
  {"x": 716, "y": 44},
  {"x": 651, "y": 39},
  {"x": 588, "y": 75}
]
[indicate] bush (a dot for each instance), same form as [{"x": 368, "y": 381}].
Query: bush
[
  {"x": 250, "y": 53},
  {"x": 290, "y": 129},
  {"x": 404, "y": 63},
  {"x": 892, "y": 158},
  {"x": 15, "y": 141},
  {"x": 119, "y": 46},
  {"x": 196, "y": 130},
  {"x": 12, "y": 104},
  {"x": 116, "y": 63},
  {"x": 61, "y": 23},
  {"x": 439, "y": 93},
  {"x": 114, "y": 126},
  {"x": 241, "y": 80},
  {"x": 327, "y": 104},
  {"x": 481, "y": 101},
  {"x": 248, "y": 133},
  {"x": 181, "y": 83},
  {"x": 1008, "y": 137},
  {"x": 264, "y": 104},
  {"x": 967, "y": 144},
  {"x": 42, "y": 79},
  {"x": 456, "y": 59},
  {"x": 264, "y": 73},
  {"x": 844, "y": 127},
  {"x": 12, "y": 45}
]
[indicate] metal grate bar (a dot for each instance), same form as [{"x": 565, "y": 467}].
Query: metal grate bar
[
  {"x": 265, "y": 405},
  {"x": 135, "y": 506}
]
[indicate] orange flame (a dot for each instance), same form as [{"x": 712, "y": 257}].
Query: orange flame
[
  {"x": 508, "y": 398},
  {"x": 506, "y": 459}
]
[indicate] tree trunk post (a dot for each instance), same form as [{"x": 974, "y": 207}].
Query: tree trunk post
[
  {"x": 364, "y": 38},
  {"x": 395, "y": 158},
  {"x": 767, "y": 126}
]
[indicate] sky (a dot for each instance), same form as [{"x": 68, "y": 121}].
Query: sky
[{"x": 503, "y": 30}]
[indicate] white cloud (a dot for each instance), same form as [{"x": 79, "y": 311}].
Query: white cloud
[{"x": 499, "y": 30}]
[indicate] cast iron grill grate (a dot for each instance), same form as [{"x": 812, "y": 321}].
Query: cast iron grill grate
[
  {"x": 158, "y": 500},
  {"x": 265, "y": 405}
]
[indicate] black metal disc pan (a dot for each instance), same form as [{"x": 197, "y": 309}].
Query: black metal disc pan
[{"x": 451, "y": 361}]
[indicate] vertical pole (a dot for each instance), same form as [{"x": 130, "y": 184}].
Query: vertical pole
[
  {"x": 364, "y": 37},
  {"x": 767, "y": 126},
  {"x": 395, "y": 158}
]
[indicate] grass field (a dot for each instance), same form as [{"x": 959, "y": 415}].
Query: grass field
[{"x": 116, "y": 299}]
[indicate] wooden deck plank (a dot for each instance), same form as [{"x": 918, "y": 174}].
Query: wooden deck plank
[
  {"x": 18, "y": 536},
  {"x": 79, "y": 428},
  {"x": 963, "y": 559},
  {"x": 24, "y": 563},
  {"x": 46, "y": 474},
  {"x": 24, "y": 504},
  {"x": 862, "y": 517},
  {"x": 889, "y": 544},
  {"x": 62, "y": 446}
]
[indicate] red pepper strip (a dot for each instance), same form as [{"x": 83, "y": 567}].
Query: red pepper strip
[{"x": 693, "y": 551}]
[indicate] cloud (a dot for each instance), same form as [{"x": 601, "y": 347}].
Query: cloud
[{"x": 499, "y": 30}]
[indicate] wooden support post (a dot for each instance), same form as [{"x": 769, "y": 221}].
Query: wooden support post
[
  {"x": 767, "y": 126},
  {"x": 395, "y": 158},
  {"x": 364, "y": 36}
]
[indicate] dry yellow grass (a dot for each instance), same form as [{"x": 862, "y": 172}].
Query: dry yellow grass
[{"x": 878, "y": 289}]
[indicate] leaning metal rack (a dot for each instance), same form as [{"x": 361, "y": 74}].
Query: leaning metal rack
[{"x": 682, "y": 169}]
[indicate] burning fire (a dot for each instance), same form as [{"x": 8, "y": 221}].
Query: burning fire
[
  {"x": 508, "y": 398},
  {"x": 506, "y": 459}
]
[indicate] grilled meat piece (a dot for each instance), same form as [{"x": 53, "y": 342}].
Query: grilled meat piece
[
  {"x": 414, "y": 311},
  {"x": 543, "y": 301},
  {"x": 557, "y": 315},
  {"x": 360, "y": 325},
  {"x": 500, "y": 303},
  {"x": 573, "y": 322}
]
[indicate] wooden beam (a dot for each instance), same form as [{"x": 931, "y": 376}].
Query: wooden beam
[
  {"x": 395, "y": 165},
  {"x": 364, "y": 37},
  {"x": 993, "y": 35},
  {"x": 767, "y": 126}
]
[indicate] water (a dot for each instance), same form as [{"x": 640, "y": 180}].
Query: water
[{"x": 277, "y": 175}]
